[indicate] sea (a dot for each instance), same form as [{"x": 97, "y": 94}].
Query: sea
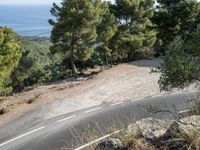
[{"x": 27, "y": 20}]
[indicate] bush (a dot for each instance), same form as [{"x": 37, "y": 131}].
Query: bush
[{"x": 180, "y": 66}]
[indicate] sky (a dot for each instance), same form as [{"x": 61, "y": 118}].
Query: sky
[{"x": 29, "y": 1}]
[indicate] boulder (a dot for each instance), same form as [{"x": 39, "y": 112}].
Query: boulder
[
  {"x": 150, "y": 129},
  {"x": 3, "y": 110},
  {"x": 110, "y": 144},
  {"x": 190, "y": 122}
]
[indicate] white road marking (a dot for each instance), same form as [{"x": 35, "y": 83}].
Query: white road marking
[
  {"x": 70, "y": 117},
  {"x": 97, "y": 140},
  {"x": 184, "y": 111},
  {"x": 137, "y": 99},
  {"x": 117, "y": 103},
  {"x": 21, "y": 136},
  {"x": 88, "y": 111},
  {"x": 176, "y": 93}
]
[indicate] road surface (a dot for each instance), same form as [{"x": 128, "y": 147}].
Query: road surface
[{"x": 76, "y": 129}]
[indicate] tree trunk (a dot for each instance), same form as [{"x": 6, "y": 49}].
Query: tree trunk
[
  {"x": 72, "y": 59},
  {"x": 73, "y": 66},
  {"x": 129, "y": 57},
  {"x": 106, "y": 60}
]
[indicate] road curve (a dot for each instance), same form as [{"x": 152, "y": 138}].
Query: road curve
[{"x": 73, "y": 130}]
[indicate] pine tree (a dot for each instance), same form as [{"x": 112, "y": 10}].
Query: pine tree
[
  {"x": 75, "y": 29},
  {"x": 9, "y": 57},
  {"x": 135, "y": 29},
  {"x": 106, "y": 30},
  {"x": 176, "y": 18}
]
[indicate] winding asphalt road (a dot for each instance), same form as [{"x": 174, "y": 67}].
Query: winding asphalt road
[{"x": 75, "y": 130}]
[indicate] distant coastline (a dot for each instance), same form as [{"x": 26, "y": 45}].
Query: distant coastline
[{"x": 26, "y": 20}]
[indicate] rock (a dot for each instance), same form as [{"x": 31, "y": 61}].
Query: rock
[
  {"x": 183, "y": 134},
  {"x": 185, "y": 125},
  {"x": 3, "y": 110},
  {"x": 110, "y": 144},
  {"x": 193, "y": 121},
  {"x": 150, "y": 129}
]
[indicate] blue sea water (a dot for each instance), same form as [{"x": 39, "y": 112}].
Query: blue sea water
[{"x": 28, "y": 20}]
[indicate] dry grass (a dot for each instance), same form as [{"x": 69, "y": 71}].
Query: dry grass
[
  {"x": 132, "y": 142},
  {"x": 191, "y": 137},
  {"x": 191, "y": 134},
  {"x": 195, "y": 105}
]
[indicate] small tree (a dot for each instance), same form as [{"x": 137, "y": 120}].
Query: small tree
[
  {"x": 74, "y": 31},
  {"x": 9, "y": 57},
  {"x": 181, "y": 64}
]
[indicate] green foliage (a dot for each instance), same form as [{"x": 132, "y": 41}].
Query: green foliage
[
  {"x": 9, "y": 57},
  {"x": 193, "y": 43},
  {"x": 135, "y": 29},
  {"x": 181, "y": 64},
  {"x": 176, "y": 18},
  {"x": 74, "y": 31},
  {"x": 84, "y": 26},
  {"x": 36, "y": 65},
  {"x": 105, "y": 30}
]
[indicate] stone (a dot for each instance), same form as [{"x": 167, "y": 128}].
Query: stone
[
  {"x": 150, "y": 129},
  {"x": 110, "y": 144},
  {"x": 3, "y": 110},
  {"x": 185, "y": 125}
]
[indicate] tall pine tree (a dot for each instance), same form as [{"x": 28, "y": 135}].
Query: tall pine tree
[
  {"x": 135, "y": 29},
  {"x": 75, "y": 29}
]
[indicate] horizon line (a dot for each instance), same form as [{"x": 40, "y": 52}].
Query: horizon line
[{"x": 27, "y": 4}]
